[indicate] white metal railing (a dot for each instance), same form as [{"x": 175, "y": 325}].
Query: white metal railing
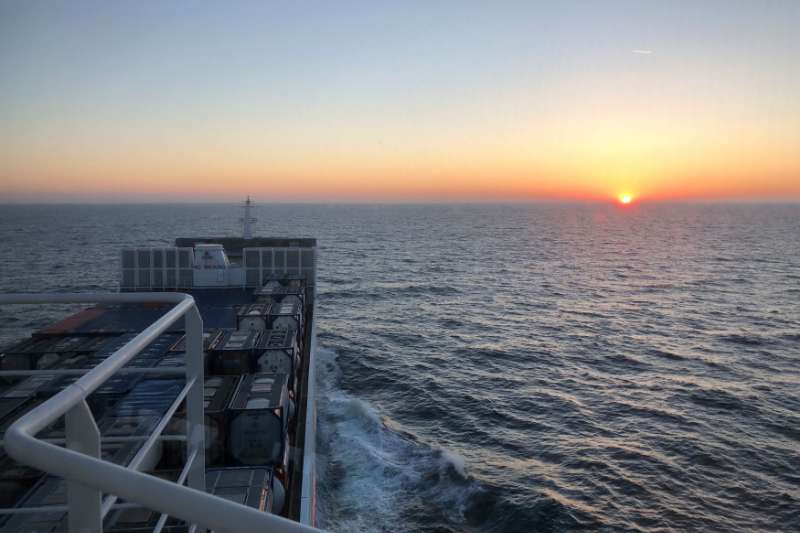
[{"x": 79, "y": 462}]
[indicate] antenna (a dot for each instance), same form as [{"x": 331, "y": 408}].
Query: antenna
[{"x": 247, "y": 219}]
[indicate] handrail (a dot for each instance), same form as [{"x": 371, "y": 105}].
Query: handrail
[{"x": 88, "y": 475}]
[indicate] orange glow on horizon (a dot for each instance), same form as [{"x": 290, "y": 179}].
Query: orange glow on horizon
[
  {"x": 570, "y": 166},
  {"x": 586, "y": 158},
  {"x": 314, "y": 116}
]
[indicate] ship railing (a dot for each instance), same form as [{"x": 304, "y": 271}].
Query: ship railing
[{"x": 88, "y": 476}]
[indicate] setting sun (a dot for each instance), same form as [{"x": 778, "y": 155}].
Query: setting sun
[{"x": 625, "y": 198}]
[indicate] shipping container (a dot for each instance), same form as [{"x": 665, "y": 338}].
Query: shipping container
[
  {"x": 158, "y": 348},
  {"x": 258, "y": 488},
  {"x": 252, "y": 317},
  {"x": 278, "y": 353},
  {"x": 15, "y": 480},
  {"x": 52, "y": 491},
  {"x": 13, "y": 359},
  {"x": 16, "y": 397},
  {"x": 40, "y": 354},
  {"x": 48, "y": 491},
  {"x": 233, "y": 353},
  {"x": 142, "y": 520},
  {"x": 149, "y": 397},
  {"x": 287, "y": 316},
  {"x": 259, "y": 419},
  {"x": 209, "y": 338},
  {"x": 139, "y": 411},
  {"x": 277, "y": 290},
  {"x": 217, "y": 394}
]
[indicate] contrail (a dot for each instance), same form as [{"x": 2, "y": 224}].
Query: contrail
[{"x": 642, "y": 52}]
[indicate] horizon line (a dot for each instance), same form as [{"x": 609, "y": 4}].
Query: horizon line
[{"x": 793, "y": 200}]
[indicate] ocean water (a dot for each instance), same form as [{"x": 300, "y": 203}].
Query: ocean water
[{"x": 527, "y": 367}]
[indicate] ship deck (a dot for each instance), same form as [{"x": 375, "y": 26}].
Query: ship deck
[{"x": 87, "y": 336}]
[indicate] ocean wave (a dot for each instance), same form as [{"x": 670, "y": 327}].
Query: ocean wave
[
  {"x": 718, "y": 399},
  {"x": 667, "y": 354},
  {"x": 387, "y": 291},
  {"x": 376, "y": 476},
  {"x": 744, "y": 339}
]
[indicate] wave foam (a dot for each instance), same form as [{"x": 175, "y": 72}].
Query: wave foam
[{"x": 374, "y": 475}]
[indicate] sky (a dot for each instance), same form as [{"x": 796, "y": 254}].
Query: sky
[{"x": 396, "y": 101}]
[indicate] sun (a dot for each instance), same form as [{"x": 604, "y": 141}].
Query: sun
[{"x": 625, "y": 198}]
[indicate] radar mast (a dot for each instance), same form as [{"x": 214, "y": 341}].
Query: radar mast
[{"x": 247, "y": 220}]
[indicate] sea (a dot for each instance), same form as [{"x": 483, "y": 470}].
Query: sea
[{"x": 538, "y": 367}]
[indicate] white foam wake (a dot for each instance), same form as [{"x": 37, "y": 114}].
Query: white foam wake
[{"x": 373, "y": 476}]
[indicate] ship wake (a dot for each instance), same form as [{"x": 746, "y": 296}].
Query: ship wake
[{"x": 374, "y": 474}]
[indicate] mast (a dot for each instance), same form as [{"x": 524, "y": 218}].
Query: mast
[{"x": 247, "y": 220}]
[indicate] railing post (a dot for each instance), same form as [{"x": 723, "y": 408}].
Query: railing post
[
  {"x": 82, "y": 435},
  {"x": 195, "y": 428}
]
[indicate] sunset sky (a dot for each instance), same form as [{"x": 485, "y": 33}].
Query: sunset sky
[{"x": 340, "y": 101}]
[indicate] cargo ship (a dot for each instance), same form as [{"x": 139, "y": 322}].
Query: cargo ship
[{"x": 184, "y": 402}]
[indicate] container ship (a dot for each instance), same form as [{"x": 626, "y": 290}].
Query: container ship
[{"x": 184, "y": 402}]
